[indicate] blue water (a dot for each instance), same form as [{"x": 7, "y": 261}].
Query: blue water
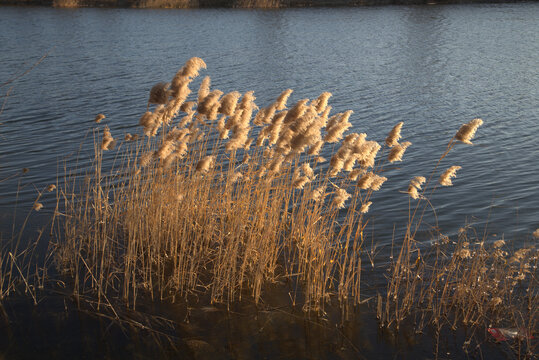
[{"x": 433, "y": 67}]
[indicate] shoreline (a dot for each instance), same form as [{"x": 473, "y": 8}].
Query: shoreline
[{"x": 245, "y": 4}]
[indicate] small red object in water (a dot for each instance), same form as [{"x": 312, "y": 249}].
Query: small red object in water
[{"x": 501, "y": 334}]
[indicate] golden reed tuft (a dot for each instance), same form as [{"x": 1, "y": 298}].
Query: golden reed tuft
[
  {"x": 397, "y": 151},
  {"x": 98, "y": 118},
  {"x": 159, "y": 93},
  {"x": 445, "y": 179},
  {"x": 108, "y": 141},
  {"x": 37, "y": 206},
  {"x": 467, "y": 131},
  {"x": 415, "y": 185},
  {"x": 394, "y": 135}
]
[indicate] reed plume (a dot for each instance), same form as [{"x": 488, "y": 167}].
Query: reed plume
[
  {"x": 321, "y": 102},
  {"x": 280, "y": 103},
  {"x": 159, "y": 93},
  {"x": 98, "y": 118},
  {"x": 337, "y": 126},
  {"x": 445, "y": 179},
  {"x": 365, "y": 207},
  {"x": 377, "y": 182},
  {"x": 397, "y": 151},
  {"x": 210, "y": 104},
  {"x": 204, "y": 89},
  {"x": 108, "y": 141},
  {"x": 229, "y": 102},
  {"x": 394, "y": 135},
  {"x": 415, "y": 185},
  {"x": 340, "y": 198},
  {"x": 191, "y": 68},
  {"x": 205, "y": 164},
  {"x": 365, "y": 181},
  {"x": 467, "y": 131}
]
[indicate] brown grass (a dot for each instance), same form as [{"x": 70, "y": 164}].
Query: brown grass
[
  {"x": 217, "y": 197},
  {"x": 65, "y": 3},
  {"x": 196, "y": 205}
]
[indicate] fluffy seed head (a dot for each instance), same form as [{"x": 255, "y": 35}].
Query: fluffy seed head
[
  {"x": 463, "y": 254},
  {"x": 205, "y": 164},
  {"x": 445, "y": 179},
  {"x": 318, "y": 194},
  {"x": 280, "y": 103},
  {"x": 98, "y": 118},
  {"x": 340, "y": 198},
  {"x": 354, "y": 174},
  {"x": 365, "y": 181},
  {"x": 307, "y": 170},
  {"x": 397, "y": 151},
  {"x": 210, "y": 101},
  {"x": 300, "y": 182},
  {"x": 412, "y": 191},
  {"x": 414, "y": 186},
  {"x": 192, "y": 67},
  {"x": 315, "y": 148},
  {"x": 336, "y": 126},
  {"x": 467, "y": 131},
  {"x": 159, "y": 93},
  {"x": 377, "y": 182},
  {"x": 236, "y": 177},
  {"x": 418, "y": 181},
  {"x": 108, "y": 142},
  {"x": 394, "y": 135},
  {"x": 229, "y": 103},
  {"x": 322, "y": 102},
  {"x": 145, "y": 159},
  {"x": 37, "y": 206},
  {"x": 204, "y": 89},
  {"x": 536, "y": 234},
  {"x": 365, "y": 207}
]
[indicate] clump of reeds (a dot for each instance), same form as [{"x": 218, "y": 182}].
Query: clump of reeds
[{"x": 220, "y": 194}]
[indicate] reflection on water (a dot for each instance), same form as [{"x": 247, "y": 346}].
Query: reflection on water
[{"x": 245, "y": 331}]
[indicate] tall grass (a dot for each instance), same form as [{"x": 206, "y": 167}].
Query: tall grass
[
  {"x": 225, "y": 198},
  {"x": 215, "y": 196}
]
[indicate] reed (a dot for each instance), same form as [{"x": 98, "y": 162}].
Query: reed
[
  {"x": 215, "y": 196},
  {"x": 209, "y": 200}
]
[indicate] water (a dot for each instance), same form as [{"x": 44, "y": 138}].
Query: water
[{"x": 433, "y": 67}]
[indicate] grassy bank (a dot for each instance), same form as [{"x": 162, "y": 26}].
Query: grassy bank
[{"x": 261, "y": 4}]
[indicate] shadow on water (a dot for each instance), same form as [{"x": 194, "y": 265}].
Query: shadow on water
[{"x": 58, "y": 328}]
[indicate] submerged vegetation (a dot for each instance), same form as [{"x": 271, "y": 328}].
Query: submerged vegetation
[{"x": 216, "y": 198}]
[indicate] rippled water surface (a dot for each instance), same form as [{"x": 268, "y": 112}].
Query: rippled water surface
[{"x": 433, "y": 67}]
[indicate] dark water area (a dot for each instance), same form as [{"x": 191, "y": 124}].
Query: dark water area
[
  {"x": 432, "y": 67},
  {"x": 58, "y": 327}
]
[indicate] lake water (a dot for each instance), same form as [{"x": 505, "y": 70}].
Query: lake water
[{"x": 433, "y": 67}]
